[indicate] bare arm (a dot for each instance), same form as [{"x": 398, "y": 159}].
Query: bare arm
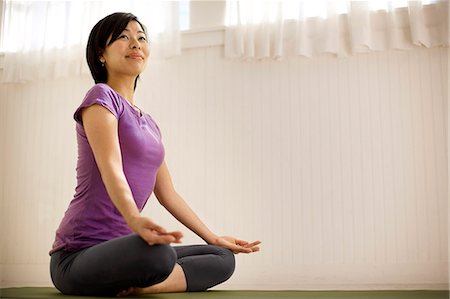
[
  {"x": 101, "y": 128},
  {"x": 177, "y": 206}
]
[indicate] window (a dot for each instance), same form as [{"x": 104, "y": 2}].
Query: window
[
  {"x": 254, "y": 12},
  {"x": 30, "y": 25},
  {"x": 185, "y": 19}
]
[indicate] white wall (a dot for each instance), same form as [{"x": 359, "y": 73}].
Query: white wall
[{"x": 338, "y": 165}]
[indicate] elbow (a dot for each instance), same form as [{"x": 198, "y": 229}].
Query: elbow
[
  {"x": 160, "y": 200},
  {"x": 165, "y": 197}
]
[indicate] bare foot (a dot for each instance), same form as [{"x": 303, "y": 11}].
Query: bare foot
[
  {"x": 127, "y": 292},
  {"x": 176, "y": 282},
  {"x": 139, "y": 291}
]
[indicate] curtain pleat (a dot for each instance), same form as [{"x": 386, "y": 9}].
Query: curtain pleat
[
  {"x": 47, "y": 39},
  {"x": 358, "y": 30}
]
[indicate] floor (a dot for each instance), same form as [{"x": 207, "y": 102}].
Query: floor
[{"x": 49, "y": 293}]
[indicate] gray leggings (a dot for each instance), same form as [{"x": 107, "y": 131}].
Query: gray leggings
[{"x": 110, "y": 267}]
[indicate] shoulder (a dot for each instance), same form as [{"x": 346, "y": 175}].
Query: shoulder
[
  {"x": 101, "y": 90},
  {"x": 101, "y": 94}
]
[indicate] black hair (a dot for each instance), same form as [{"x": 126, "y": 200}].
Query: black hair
[{"x": 110, "y": 26}]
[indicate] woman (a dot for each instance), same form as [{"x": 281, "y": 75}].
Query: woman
[{"x": 103, "y": 245}]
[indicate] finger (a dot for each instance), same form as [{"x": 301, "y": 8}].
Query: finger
[
  {"x": 157, "y": 228},
  {"x": 238, "y": 249},
  {"x": 153, "y": 238},
  {"x": 177, "y": 238},
  {"x": 244, "y": 250},
  {"x": 161, "y": 240},
  {"x": 241, "y": 242},
  {"x": 176, "y": 234},
  {"x": 149, "y": 224},
  {"x": 253, "y": 244}
]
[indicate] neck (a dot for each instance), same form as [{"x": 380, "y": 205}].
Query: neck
[{"x": 123, "y": 87}]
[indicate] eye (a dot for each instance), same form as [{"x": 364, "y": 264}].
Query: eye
[
  {"x": 123, "y": 36},
  {"x": 143, "y": 38}
]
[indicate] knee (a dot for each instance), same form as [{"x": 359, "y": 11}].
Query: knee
[
  {"x": 211, "y": 266},
  {"x": 160, "y": 261},
  {"x": 164, "y": 259},
  {"x": 228, "y": 264}
]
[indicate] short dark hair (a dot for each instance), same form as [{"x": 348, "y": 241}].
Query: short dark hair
[{"x": 110, "y": 26}]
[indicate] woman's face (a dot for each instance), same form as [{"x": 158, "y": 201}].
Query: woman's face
[{"x": 128, "y": 54}]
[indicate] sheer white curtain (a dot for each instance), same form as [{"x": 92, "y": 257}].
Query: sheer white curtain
[
  {"x": 47, "y": 39},
  {"x": 275, "y": 29}
]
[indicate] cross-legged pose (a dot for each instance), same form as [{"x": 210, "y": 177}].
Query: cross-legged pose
[{"x": 103, "y": 245}]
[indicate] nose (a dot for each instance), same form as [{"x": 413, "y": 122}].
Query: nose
[{"x": 134, "y": 43}]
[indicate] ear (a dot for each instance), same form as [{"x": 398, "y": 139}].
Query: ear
[{"x": 102, "y": 59}]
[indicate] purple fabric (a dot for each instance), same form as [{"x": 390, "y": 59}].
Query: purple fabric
[{"x": 91, "y": 217}]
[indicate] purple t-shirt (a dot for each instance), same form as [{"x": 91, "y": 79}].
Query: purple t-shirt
[{"x": 91, "y": 217}]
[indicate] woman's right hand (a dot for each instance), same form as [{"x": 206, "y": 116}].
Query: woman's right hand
[{"x": 152, "y": 233}]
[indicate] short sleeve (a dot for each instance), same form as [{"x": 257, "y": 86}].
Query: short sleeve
[{"x": 103, "y": 95}]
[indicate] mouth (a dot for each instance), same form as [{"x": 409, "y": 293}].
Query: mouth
[{"x": 135, "y": 57}]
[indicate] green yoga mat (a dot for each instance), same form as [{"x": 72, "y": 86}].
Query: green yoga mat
[{"x": 49, "y": 293}]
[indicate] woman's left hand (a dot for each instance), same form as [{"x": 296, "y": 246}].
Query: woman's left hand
[{"x": 237, "y": 246}]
